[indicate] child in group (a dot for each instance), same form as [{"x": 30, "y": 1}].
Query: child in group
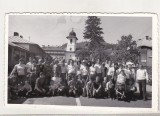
[
  {"x": 97, "y": 87},
  {"x": 39, "y": 86},
  {"x": 72, "y": 86},
  {"x": 104, "y": 83},
  {"x": 25, "y": 90},
  {"x": 110, "y": 88},
  {"x": 89, "y": 88}
]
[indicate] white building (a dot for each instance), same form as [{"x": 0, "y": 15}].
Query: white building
[
  {"x": 71, "y": 46},
  {"x": 67, "y": 52}
]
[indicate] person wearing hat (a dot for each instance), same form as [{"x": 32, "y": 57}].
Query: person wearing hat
[{"x": 21, "y": 71}]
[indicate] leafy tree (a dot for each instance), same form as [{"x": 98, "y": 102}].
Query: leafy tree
[
  {"x": 93, "y": 33},
  {"x": 126, "y": 50},
  {"x": 83, "y": 53}
]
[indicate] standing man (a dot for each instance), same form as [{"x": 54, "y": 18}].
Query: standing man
[
  {"x": 98, "y": 67},
  {"x": 29, "y": 64},
  {"x": 71, "y": 69},
  {"x": 142, "y": 78},
  {"x": 21, "y": 70},
  {"x": 84, "y": 70}
]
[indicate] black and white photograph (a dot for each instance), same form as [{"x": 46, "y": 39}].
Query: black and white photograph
[{"x": 80, "y": 60}]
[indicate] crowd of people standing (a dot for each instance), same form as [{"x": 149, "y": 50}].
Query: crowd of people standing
[{"x": 92, "y": 79}]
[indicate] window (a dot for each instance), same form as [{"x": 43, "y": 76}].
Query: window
[
  {"x": 71, "y": 41},
  {"x": 70, "y": 49}
]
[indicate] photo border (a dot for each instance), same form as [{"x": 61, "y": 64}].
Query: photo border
[{"x": 99, "y": 109}]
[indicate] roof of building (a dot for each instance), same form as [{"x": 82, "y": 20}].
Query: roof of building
[
  {"x": 53, "y": 48},
  {"x": 18, "y": 39},
  {"x": 72, "y": 34},
  {"x": 15, "y": 45},
  {"x": 144, "y": 43}
]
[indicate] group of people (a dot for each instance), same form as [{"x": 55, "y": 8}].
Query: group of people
[{"x": 91, "y": 79}]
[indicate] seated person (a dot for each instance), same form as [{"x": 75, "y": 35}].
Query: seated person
[
  {"x": 72, "y": 86},
  {"x": 39, "y": 85},
  {"x": 110, "y": 88},
  {"x": 97, "y": 87},
  {"x": 89, "y": 88},
  {"x": 52, "y": 88},
  {"x": 81, "y": 86},
  {"x": 104, "y": 83},
  {"x": 130, "y": 89},
  {"x": 25, "y": 90},
  {"x": 61, "y": 87},
  {"x": 12, "y": 87}
]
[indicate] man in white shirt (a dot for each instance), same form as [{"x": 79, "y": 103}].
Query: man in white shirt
[
  {"x": 71, "y": 70},
  {"x": 111, "y": 71},
  {"x": 98, "y": 67},
  {"x": 142, "y": 78},
  {"x": 29, "y": 64},
  {"x": 84, "y": 70},
  {"x": 21, "y": 71}
]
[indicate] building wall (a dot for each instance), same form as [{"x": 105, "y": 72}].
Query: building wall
[
  {"x": 149, "y": 57},
  {"x": 71, "y": 46},
  {"x": 56, "y": 54},
  {"x": 70, "y": 55},
  {"x": 145, "y": 56},
  {"x": 14, "y": 53}
]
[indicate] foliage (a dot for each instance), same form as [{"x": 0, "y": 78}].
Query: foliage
[
  {"x": 93, "y": 33},
  {"x": 83, "y": 53},
  {"x": 126, "y": 50}
]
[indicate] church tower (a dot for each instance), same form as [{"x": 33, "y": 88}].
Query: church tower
[{"x": 71, "y": 46}]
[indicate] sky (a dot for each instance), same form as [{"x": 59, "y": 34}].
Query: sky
[{"x": 53, "y": 30}]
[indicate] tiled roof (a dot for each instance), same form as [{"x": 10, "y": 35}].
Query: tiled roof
[
  {"x": 17, "y": 39},
  {"x": 15, "y": 45},
  {"x": 51, "y": 48},
  {"x": 144, "y": 42}
]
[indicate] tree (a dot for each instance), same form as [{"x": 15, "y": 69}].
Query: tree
[
  {"x": 93, "y": 33},
  {"x": 83, "y": 53},
  {"x": 126, "y": 50}
]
